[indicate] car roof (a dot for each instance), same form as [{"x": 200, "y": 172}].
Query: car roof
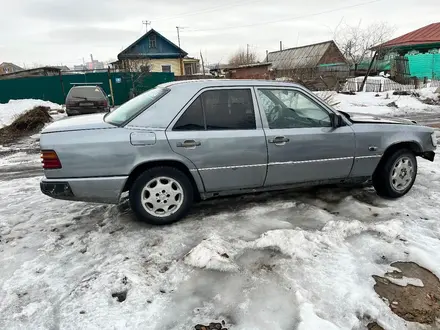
[
  {"x": 86, "y": 86},
  {"x": 204, "y": 83}
]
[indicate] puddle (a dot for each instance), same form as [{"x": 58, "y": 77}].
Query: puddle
[{"x": 412, "y": 292}]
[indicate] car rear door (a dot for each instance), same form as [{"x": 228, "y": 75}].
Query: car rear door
[
  {"x": 220, "y": 131},
  {"x": 302, "y": 144}
]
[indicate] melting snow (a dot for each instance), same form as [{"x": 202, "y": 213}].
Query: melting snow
[
  {"x": 286, "y": 260},
  {"x": 11, "y": 110}
]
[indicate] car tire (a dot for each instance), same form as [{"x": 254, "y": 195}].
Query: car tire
[
  {"x": 396, "y": 174},
  {"x": 161, "y": 195}
]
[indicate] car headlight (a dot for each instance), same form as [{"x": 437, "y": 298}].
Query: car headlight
[{"x": 434, "y": 139}]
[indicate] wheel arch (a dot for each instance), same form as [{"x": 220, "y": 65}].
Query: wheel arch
[
  {"x": 413, "y": 146},
  {"x": 192, "y": 175}
]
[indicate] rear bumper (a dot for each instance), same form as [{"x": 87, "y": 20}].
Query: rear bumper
[{"x": 96, "y": 190}]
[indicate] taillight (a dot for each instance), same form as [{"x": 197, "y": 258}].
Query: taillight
[{"x": 50, "y": 159}]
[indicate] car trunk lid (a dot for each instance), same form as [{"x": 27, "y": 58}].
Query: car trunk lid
[{"x": 79, "y": 123}]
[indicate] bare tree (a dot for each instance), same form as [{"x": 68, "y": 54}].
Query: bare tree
[
  {"x": 137, "y": 69},
  {"x": 243, "y": 57},
  {"x": 355, "y": 42}
]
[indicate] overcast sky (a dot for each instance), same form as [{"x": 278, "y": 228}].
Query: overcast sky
[{"x": 51, "y": 32}]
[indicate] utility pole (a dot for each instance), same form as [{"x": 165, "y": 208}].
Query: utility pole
[
  {"x": 203, "y": 63},
  {"x": 178, "y": 28},
  {"x": 247, "y": 54},
  {"x": 178, "y": 34},
  {"x": 281, "y": 45},
  {"x": 146, "y": 23}
]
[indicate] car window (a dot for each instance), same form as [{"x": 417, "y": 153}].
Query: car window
[
  {"x": 229, "y": 109},
  {"x": 135, "y": 106},
  {"x": 285, "y": 108},
  {"x": 86, "y": 92},
  {"x": 192, "y": 119}
]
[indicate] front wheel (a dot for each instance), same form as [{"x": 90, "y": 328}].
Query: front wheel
[
  {"x": 396, "y": 175},
  {"x": 161, "y": 195}
]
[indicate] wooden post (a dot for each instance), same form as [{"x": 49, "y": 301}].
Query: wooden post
[
  {"x": 181, "y": 65},
  {"x": 368, "y": 72},
  {"x": 111, "y": 86},
  {"x": 203, "y": 63},
  {"x": 62, "y": 85}
]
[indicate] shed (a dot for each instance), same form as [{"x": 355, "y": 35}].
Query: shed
[
  {"x": 250, "y": 71},
  {"x": 310, "y": 61}
]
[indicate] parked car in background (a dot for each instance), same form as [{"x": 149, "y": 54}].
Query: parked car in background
[
  {"x": 88, "y": 99},
  {"x": 185, "y": 141}
]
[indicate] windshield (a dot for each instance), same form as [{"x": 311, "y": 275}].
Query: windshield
[{"x": 135, "y": 106}]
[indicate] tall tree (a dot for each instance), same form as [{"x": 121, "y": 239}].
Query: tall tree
[
  {"x": 356, "y": 41},
  {"x": 243, "y": 56}
]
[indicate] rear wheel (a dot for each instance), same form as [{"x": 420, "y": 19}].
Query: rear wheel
[
  {"x": 396, "y": 175},
  {"x": 161, "y": 195}
]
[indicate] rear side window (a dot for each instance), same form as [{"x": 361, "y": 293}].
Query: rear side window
[
  {"x": 86, "y": 92},
  {"x": 225, "y": 109},
  {"x": 192, "y": 119},
  {"x": 135, "y": 106}
]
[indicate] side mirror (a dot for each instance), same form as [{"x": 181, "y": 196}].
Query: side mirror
[{"x": 336, "y": 120}]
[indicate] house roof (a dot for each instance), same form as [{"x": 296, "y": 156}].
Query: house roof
[
  {"x": 16, "y": 67},
  {"x": 429, "y": 34},
  {"x": 299, "y": 57},
  {"x": 145, "y": 36},
  {"x": 252, "y": 65}
]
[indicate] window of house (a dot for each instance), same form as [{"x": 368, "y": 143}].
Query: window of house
[
  {"x": 166, "y": 68},
  {"x": 152, "y": 40},
  {"x": 286, "y": 108}
]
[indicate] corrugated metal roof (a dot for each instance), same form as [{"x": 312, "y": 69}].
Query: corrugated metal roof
[
  {"x": 299, "y": 57},
  {"x": 429, "y": 34}
]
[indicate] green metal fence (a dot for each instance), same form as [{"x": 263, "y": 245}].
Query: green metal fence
[
  {"x": 55, "y": 88},
  {"x": 424, "y": 65}
]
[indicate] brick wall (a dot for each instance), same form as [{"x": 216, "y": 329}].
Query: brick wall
[
  {"x": 260, "y": 72},
  {"x": 332, "y": 55}
]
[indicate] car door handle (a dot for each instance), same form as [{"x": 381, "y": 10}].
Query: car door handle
[
  {"x": 190, "y": 144},
  {"x": 279, "y": 140}
]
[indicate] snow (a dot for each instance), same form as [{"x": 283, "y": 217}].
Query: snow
[
  {"x": 404, "y": 281},
  {"x": 282, "y": 260},
  {"x": 369, "y": 103},
  {"x": 429, "y": 93},
  {"x": 287, "y": 260},
  {"x": 11, "y": 110}
]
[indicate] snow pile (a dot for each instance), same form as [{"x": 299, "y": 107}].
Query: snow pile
[
  {"x": 11, "y": 110},
  {"x": 382, "y": 103},
  {"x": 429, "y": 93},
  {"x": 211, "y": 254}
]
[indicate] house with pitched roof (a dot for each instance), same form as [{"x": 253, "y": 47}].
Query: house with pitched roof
[
  {"x": 154, "y": 53},
  {"x": 309, "y": 61},
  {"x": 416, "y": 53},
  {"x": 6, "y": 68}
]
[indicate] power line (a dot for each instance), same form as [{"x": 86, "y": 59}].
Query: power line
[
  {"x": 286, "y": 19},
  {"x": 207, "y": 10}
]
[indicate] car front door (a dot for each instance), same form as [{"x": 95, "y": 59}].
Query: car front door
[
  {"x": 303, "y": 146},
  {"x": 220, "y": 131}
]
